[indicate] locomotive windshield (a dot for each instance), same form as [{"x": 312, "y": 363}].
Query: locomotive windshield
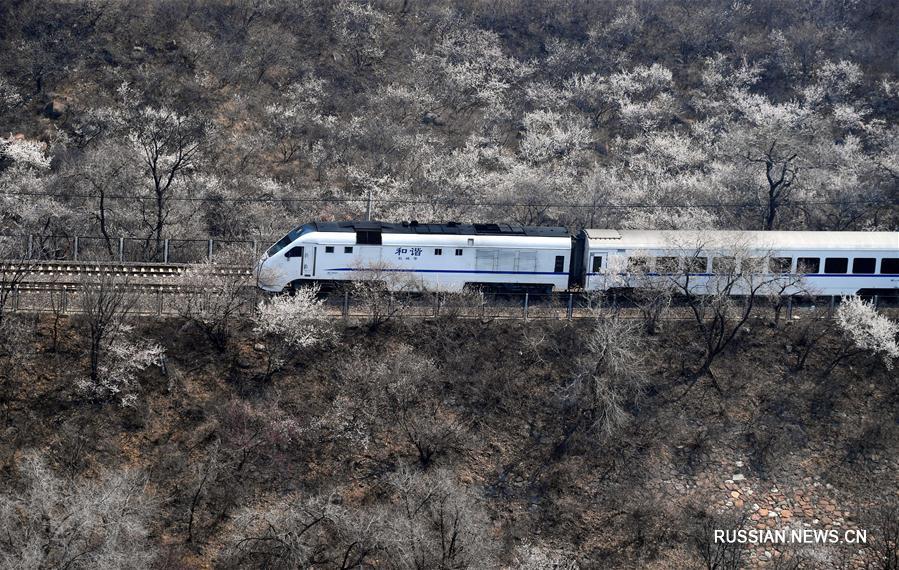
[{"x": 288, "y": 239}]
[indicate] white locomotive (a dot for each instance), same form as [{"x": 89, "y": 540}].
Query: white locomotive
[{"x": 449, "y": 257}]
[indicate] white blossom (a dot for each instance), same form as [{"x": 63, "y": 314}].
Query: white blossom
[
  {"x": 122, "y": 359},
  {"x": 25, "y": 152},
  {"x": 300, "y": 319},
  {"x": 549, "y": 135},
  {"x": 868, "y": 329}
]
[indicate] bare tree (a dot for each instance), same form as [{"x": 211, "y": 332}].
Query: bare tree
[
  {"x": 49, "y": 522},
  {"x": 884, "y": 547},
  {"x": 103, "y": 171},
  {"x": 169, "y": 144},
  {"x": 16, "y": 354},
  {"x": 607, "y": 377},
  {"x": 430, "y": 428},
  {"x": 114, "y": 352},
  {"x": 780, "y": 173},
  {"x": 535, "y": 557},
  {"x": 806, "y": 334},
  {"x": 398, "y": 390},
  {"x": 212, "y": 297},
  {"x": 651, "y": 294},
  {"x": 436, "y": 523},
  {"x": 717, "y": 555},
  {"x": 382, "y": 290},
  {"x": 303, "y": 532},
  {"x": 105, "y": 305},
  {"x": 14, "y": 269},
  {"x": 722, "y": 302}
]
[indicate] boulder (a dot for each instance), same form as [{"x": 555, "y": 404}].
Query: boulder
[
  {"x": 430, "y": 118},
  {"x": 55, "y": 109}
]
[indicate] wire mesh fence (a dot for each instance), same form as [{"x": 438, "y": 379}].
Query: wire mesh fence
[
  {"x": 127, "y": 249},
  {"x": 161, "y": 300}
]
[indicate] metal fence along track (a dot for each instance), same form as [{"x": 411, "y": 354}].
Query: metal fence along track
[
  {"x": 164, "y": 299},
  {"x": 127, "y": 249}
]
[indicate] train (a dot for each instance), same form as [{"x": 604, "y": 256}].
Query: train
[{"x": 451, "y": 257}]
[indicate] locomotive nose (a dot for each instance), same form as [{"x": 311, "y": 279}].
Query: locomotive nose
[{"x": 260, "y": 271}]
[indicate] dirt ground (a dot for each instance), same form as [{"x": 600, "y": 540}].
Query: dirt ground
[{"x": 763, "y": 445}]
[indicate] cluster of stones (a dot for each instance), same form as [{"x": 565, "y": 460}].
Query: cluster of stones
[{"x": 776, "y": 509}]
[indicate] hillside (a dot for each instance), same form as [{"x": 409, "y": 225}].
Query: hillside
[
  {"x": 241, "y": 119},
  {"x": 169, "y": 414},
  {"x": 396, "y": 436}
]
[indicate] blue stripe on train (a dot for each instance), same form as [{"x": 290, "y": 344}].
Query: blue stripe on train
[
  {"x": 804, "y": 275},
  {"x": 560, "y": 274}
]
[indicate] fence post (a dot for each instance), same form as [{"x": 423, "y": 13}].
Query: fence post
[
  {"x": 789, "y": 308},
  {"x": 30, "y": 246},
  {"x": 159, "y": 302},
  {"x": 15, "y": 299},
  {"x": 876, "y": 301},
  {"x": 209, "y": 258},
  {"x": 526, "y": 299},
  {"x": 255, "y": 250},
  {"x": 165, "y": 249},
  {"x": 830, "y": 308},
  {"x": 346, "y": 304},
  {"x": 570, "y": 313},
  {"x": 76, "y": 248},
  {"x": 121, "y": 250},
  {"x": 64, "y": 301}
]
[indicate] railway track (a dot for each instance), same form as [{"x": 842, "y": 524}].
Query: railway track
[
  {"x": 74, "y": 271},
  {"x": 49, "y": 286}
]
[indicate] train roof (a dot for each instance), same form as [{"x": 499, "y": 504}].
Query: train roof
[
  {"x": 450, "y": 228},
  {"x": 774, "y": 240}
]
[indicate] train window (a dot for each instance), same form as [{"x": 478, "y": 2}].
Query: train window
[
  {"x": 752, "y": 265},
  {"x": 285, "y": 241},
  {"x": 438, "y": 251},
  {"x": 296, "y": 251},
  {"x": 889, "y": 266},
  {"x": 597, "y": 263},
  {"x": 368, "y": 237},
  {"x": 864, "y": 264},
  {"x": 560, "y": 264},
  {"x": 808, "y": 265},
  {"x": 329, "y": 249},
  {"x": 724, "y": 265},
  {"x": 348, "y": 249},
  {"x": 697, "y": 264},
  {"x": 458, "y": 252},
  {"x": 780, "y": 264},
  {"x": 666, "y": 265},
  {"x": 836, "y": 265},
  {"x": 638, "y": 264},
  {"x": 527, "y": 260}
]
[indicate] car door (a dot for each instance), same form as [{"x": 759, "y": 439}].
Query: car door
[
  {"x": 297, "y": 261},
  {"x": 596, "y": 269}
]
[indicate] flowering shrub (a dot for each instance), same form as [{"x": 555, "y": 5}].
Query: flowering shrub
[{"x": 868, "y": 330}]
